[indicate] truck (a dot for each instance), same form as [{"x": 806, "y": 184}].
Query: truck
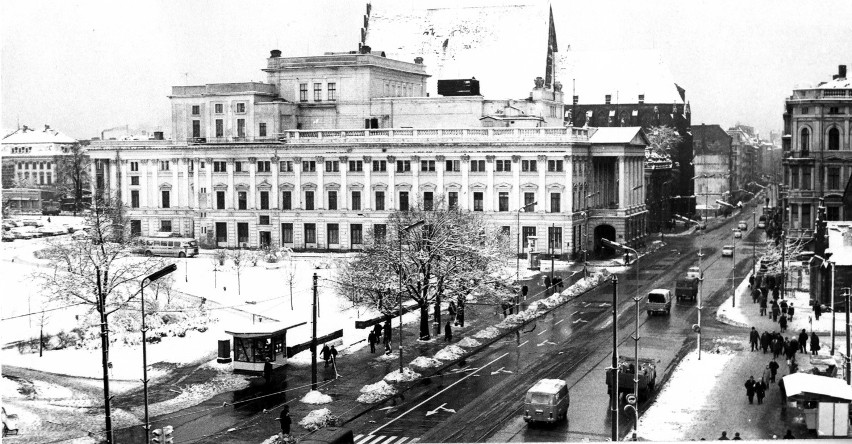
[
  {"x": 686, "y": 288},
  {"x": 626, "y": 369}
]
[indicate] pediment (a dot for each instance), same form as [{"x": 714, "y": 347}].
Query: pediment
[
  {"x": 309, "y": 186},
  {"x": 286, "y": 186},
  {"x": 529, "y": 186},
  {"x": 453, "y": 186},
  {"x": 428, "y": 187},
  {"x": 381, "y": 186}
]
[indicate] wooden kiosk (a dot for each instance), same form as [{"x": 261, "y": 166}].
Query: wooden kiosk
[{"x": 255, "y": 343}]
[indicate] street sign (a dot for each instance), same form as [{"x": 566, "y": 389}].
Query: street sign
[{"x": 631, "y": 399}]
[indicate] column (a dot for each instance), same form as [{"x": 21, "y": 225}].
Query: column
[
  {"x": 367, "y": 196},
  {"x": 516, "y": 183},
  {"x": 320, "y": 197},
  {"x": 621, "y": 178},
  {"x": 155, "y": 185},
  {"x": 93, "y": 182},
  {"x": 542, "y": 190},
  {"x": 489, "y": 184},
  {"x": 195, "y": 194},
  {"x": 275, "y": 195},
  {"x": 568, "y": 199},
  {"x": 414, "y": 196},
  {"x": 113, "y": 178},
  {"x": 440, "y": 166},
  {"x": 211, "y": 195},
  {"x": 175, "y": 193},
  {"x": 391, "y": 193},
  {"x": 297, "y": 187},
  {"x": 252, "y": 198},
  {"x": 229, "y": 196},
  {"x": 344, "y": 190},
  {"x": 465, "y": 185},
  {"x": 143, "y": 183},
  {"x": 125, "y": 185}
]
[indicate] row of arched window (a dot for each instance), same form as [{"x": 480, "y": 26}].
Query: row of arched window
[{"x": 833, "y": 139}]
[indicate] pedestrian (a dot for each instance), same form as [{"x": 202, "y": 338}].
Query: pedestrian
[
  {"x": 387, "y": 331},
  {"x": 817, "y": 310},
  {"x": 764, "y": 341},
  {"x": 792, "y": 348},
  {"x": 460, "y": 315},
  {"x": 333, "y": 353},
  {"x": 760, "y": 390},
  {"x": 777, "y": 346},
  {"x": 737, "y": 437},
  {"x": 776, "y": 310},
  {"x": 724, "y": 437},
  {"x": 754, "y": 337},
  {"x": 267, "y": 371},
  {"x": 326, "y": 354},
  {"x": 789, "y": 435},
  {"x": 371, "y": 338},
  {"x": 285, "y": 420},
  {"x": 749, "y": 386},
  {"x": 814, "y": 344},
  {"x": 782, "y": 322},
  {"x": 790, "y": 311},
  {"x": 448, "y": 332},
  {"x": 547, "y": 282},
  {"x": 783, "y": 391},
  {"x": 751, "y": 281},
  {"x": 773, "y": 370},
  {"x": 763, "y": 304},
  {"x": 803, "y": 341},
  {"x": 755, "y": 296},
  {"x": 766, "y": 373},
  {"x": 775, "y": 293},
  {"x": 451, "y": 310},
  {"x": 783, "y": 305}
]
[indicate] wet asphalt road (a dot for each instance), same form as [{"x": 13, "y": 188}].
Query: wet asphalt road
[{"x": 482, "y": 400}]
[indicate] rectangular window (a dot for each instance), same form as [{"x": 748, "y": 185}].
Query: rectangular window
[
  {"x": 333, "y": 234},
  {"x": 264, "y": 200},
  {"x": 453, "y": 165},
  {"x": 806, "y": 216},
  {"x": 477, "y": 166},
  {"x": 241, "y": 127},
  {"x": 242, "y": 200},
  {"x": 309, "y": 200},
  {"x": 608, "y": 99},
  {"x": 477, "y": 201},
  {"x": 555, "y": 201},
  {"x": 241, "y": 107},
  {"x": 219, "y": 166},
  {"x": 380, "y": 232},
  {"x": 356, "y": 166},
  {"x": 261, "y": 129},
  {"x": 529, "y": 198},
  {"x": 285, "y": 166},
  {"x": 427, "y": 165},
  {"x": 794, "y": 177},
  {"x": 505, "y": 230},
  {"x": 317, "y": 92},
  {"x": 380, "y": 165},
  {"x": 134, "y": 180},
  {"x": 135, "y": 227},
  {"x": 380, "y": 201},
  {"x": 242, "y": 232},
  {"x": 286, "y": 233},
  {"x": 794, "y": 216},
  {"x": 196, "y": 128},
  {"x": 218, "y": 108},
  {"x": 263, "y": 220},
  {"x": 220, "y": 200},
  {"x": 356, "y": 234},
  {"x": 356, "y": 200},
  {"x": 309, "y": 166},
  {"x": 220, "y": 128},
  {"x": 134, "y": 166},
  {"x": 403, "y": 166},
  {"x": 238, "y": 166},
  {"x": 453, "y": 200},
  {"x": 529, "y": 166},
  {"x": 503, "y": 199},
  {"x": 832, "y": 213},
  {"x": 403, "y": 200},
  {"x": 526, "y": 233},
  {"x": 806, "y": 178},
  {"x": 221, "y": 232},
  {"x": 49, "y": 178},
  {"x": 554, "y": 166},
  {"x": 165, "y": 196},
  {"x": 303, "y": 92},
  {"x": 332, "y": 92},
  {"x": 833, "y": 178},
  {"x": 286, "y": 200},
  {"x": 332, "y": 166},
  {"x": 428, "y": 200},
  {"x": 166, "y": 226},
  {"x": 263, "y": 166},
  {"x": 134, "y": 198},
  {"x": 332, "y": 200},
  {"x": 196, "y": 110},
  {"x": 554, "y": 237},
  {"x": 503, "y": 165}
]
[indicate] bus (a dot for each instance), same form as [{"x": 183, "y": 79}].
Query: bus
[{"x": 168, "y": 246}]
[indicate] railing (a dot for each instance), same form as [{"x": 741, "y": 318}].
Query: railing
[
  {"x": 197, "y": 140},
  {"x": 577, "y": 133}
]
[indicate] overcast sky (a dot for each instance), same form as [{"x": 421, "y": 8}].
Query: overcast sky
[{"x": 85, "y": 66}]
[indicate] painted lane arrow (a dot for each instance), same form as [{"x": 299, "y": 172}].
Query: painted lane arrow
[
  {"x": 501, "y": 370},
  {"x": 579, "y": 320},
  {"x": 545, "y": 342},
  {"x": 439, "y": 408}
]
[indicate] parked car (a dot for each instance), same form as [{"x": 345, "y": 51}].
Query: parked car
[
  {"x": 728, "y": 250},
  {"x": 693, "y": 272},
  {"x": 761, "y": 222},
  {"x": 659, "y": 301},
  {"x": 743, "y": 226},
  {"x": 738, "y": 234},
  {"x": 33, "y": 223}
]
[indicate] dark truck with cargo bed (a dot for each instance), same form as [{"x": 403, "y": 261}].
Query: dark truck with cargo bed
[{"x": 686, "y": 288}]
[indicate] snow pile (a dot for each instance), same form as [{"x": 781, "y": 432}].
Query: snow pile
[
  {"x": 487, "y": 333},
  {"x": 372, "y": 393},
  {"x": 407, "y": 375},
  {"x": 194, "y": 394},
  {"x": 553, "y": 301},
  {"x": 518, "y": 319},
  {"x": 450, "y": 353},
  {"x": 387, "y": 357},
  {"x": 727, "y": 345},
  {"x": 318, "y": 419},
  {"x": 468, "y": 343},
  {"x": 424, "y": 362},
  {"x": 316, "y": 397}
]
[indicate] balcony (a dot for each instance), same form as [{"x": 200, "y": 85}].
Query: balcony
[{"x": 545, "y": 133}]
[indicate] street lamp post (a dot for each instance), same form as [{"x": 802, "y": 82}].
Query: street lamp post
[
  {"x": 700, "y": 289},
  {"x": 518, "y": 255},
  {"x": 552, "y": 262},
  {"x": 586, "y": 233},
  {"x": 636, "y": 368},
  {"x": 734, "y": 270},
  {"x": 399, "y": 238},
  {"x": 150, "y": 278}
]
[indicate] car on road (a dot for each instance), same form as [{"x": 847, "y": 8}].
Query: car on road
[
  {"x": 728, "y": 250},
  {"x": 693, "y": 272},
  {"x": 742, "y": 226},
  {"x": 761, "y": 222},
  {"x": 738, "y": 234},
  {"x": 547, "y": 401},
  {"x": 659, "y": 301}
]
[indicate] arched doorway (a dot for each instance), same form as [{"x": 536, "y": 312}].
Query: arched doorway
[{"x": 606, "y": 232}]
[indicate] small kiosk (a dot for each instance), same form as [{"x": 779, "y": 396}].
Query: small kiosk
[
  {"x": 255, "y": 343},
  {"x": 825, "y": 401},
  {"x": 533, "y": 255}
]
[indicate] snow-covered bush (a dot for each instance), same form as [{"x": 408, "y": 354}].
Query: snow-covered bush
[
  {"x": 450, "y": 353},
  {"x": 316, "y": 397},
  {"x": 487, "y": 333},
  {"x": 424, "y": 362},
  {"x": 318, "y": 419},
  {"x": 372, "y": 393},
  {"x": 407, "y": 375}
]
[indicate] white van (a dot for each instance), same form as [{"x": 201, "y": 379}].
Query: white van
[
  {"x": 547, "y": 401},
  {"x": 659, "y": 301}
]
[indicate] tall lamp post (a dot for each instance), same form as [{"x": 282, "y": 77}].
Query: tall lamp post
[
  {"x": 620, "y": 246},
  {"x": 518, "y": 228},
  {"x": 754, "y": 243},
  {"x": 399, "y": 236},
  {"x": 734, "y": 269},
  {"x": 586, "y": 233},
  {"x": 150, "y": 278}
]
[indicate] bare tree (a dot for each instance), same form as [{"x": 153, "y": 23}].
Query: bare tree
[
  {"x": 664, "y": 140},
  {"x": 454, "y": 251},
  {"x": 72, "y": 173},
  {"x": 289, "y": 272},
  {"x": 239, "y": 257}
]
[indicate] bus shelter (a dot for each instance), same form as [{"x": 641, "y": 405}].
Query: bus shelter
[
  {"x": 255, "y": 343},
  {"x": 825, "y": 401}
]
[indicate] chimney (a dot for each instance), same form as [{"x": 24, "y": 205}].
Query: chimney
[
  {"x": 418, "y": 60},
  {"x": 158, "y": 135},
  {"x": 841, "y": 71},
  {"x": 275, "y": 53},
  {"x": 46, "y": 127},
  {"x": 25, "y": 128},
  {"x": 365, "y": 49}
]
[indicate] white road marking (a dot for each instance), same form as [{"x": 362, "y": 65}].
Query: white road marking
[
  {"x": 560, "y": 321},
  {"x": 541, "y": 332},
  {"x": 545, "y": 342},
  {"x": 522, "y": 343}
]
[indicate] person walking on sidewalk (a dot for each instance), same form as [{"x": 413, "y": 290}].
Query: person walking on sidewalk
[
  {"x": 767, "y": 373},
  {"x": 765, "y": 341},
  {"x": 763, "y": 304},
  {"x": 760, "y": 390},
  {"x": 790, "y": 311},
  {"x": 754, "y": 337},
  {"x": 792, "y": 348},
  {"x": 286, "y": 421},
  {"x": 326, "y": 354},
  {"x": 448, "y": 332},
  {"x": 755, "y": 296},
  {"x": 387, "y": 332},
  {"x": 783, "y": 305},
  {"x": 814, "y": 343},
  {"x": 782, "y": 322},
  {"x": 267, "y": 371},
  {"x": 371, "y": 338},
  {"x": 749, "y": 386},
  {"x": 817, "y": 310},
  {"x": 776, "y": 347},
  {"x": 773, "y": 369},
  {"x": 803, "y": 341},
  {"x": 776, "y": 310}
]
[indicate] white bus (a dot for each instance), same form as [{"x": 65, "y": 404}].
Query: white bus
[{"x": 168, "y": 246}]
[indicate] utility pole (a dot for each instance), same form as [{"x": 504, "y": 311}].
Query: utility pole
[
  {"x": 104, "y": 354},
  {"x": 832, "y": 308},
  {"x": 614, "y": 392},
  {"x": 753, "y": 242},
  {"x": 700, "y": 289},
  {"x": 847, "y": 338},
  {"x": 733, "y": 274},
  {"x": 552, "y": 262},
  {"x": 636, "y": 368},
  {"x": 314, "y": 338}
]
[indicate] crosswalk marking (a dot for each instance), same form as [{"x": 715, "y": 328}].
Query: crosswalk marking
[{"x": 383, "y": 439}]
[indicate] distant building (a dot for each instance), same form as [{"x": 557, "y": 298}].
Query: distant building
[
  {"x": 817, "y": 153},
  {"x": 745, "y": 147},
  {"x": 713, "y": 166},
  {"x": 30, "y": 155},
  {"x": 22, "y": 200}
]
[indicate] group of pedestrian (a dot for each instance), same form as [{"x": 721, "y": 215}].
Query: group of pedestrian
[
  {"x": 737, "y": 437},
  {"x": 754, "y": 387},
  {"x": 779, "y": 310},
  {"x": 329, "y": 354},
  {"x": 380, "y": 333}
]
